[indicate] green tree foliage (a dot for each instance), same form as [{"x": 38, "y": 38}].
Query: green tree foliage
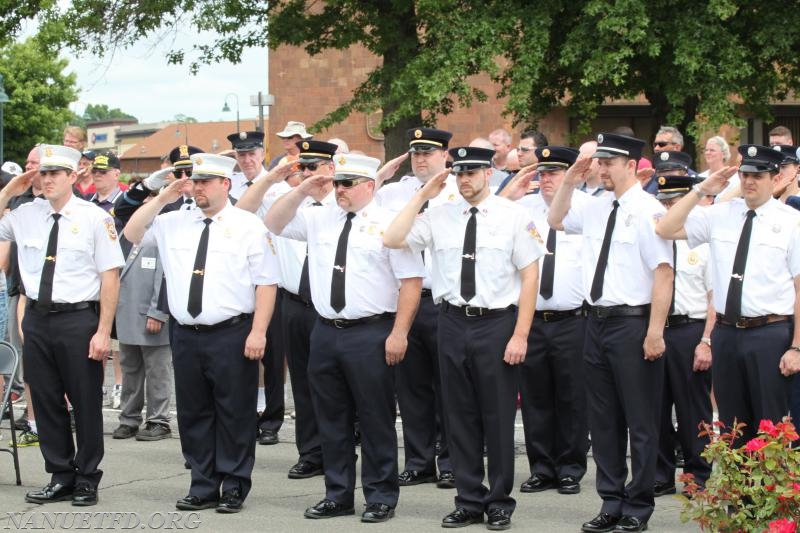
[
  {"x": 96, "y": 112},
  {"x": 700, "y": 64},
  {"x": 40, "y": 95}
]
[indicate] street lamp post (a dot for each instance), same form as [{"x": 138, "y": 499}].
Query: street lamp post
[
  {"x": 261, "y": 101},
  {"x": 226, "y": 108},
  {"x": 3, "y": 100}
]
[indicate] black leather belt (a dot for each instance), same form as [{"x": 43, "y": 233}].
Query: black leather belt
[
  {"x": 555, "y": 316},
  {"x": 469, "y": 311},
  {"x": 297, "y": 298},
  {"x": 680, "y": 320},
  {"x": 600, "y": 311},
  {"x": 64, "y": 307},
  {"x": 753, "y": 322},
  {"x": 225, "y": 323},
  {"x": 343, "y": 323},
  {"x": 426, "y": 293}
]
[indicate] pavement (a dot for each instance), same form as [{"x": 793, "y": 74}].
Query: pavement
[{"x": 144, "y": 479}]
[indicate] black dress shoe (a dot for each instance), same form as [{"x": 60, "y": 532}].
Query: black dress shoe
[
  {"x": 54, "y": 492},
  {"x": 377, "y": 512},
  {"x": 568, "y": 485},
  {"x": 328, "y": 509},
  {"x": 630, "y": 524},
  {"x": 304, "y": 469},
  {"x": 446, "y": 480},
  {"x": 498, "y": 519},
  {"x": 415, "y": 477},
  {"x": 600, "y": 524},
  {"x": 662, "y": 488},
  {"x": 193, "y": 503},
  {"x": 268, "y": 437},
  {"x": 537, "y": 483},
  {"x": 84, "y": 495},
  {"x": 231, "y": 501},
  {"x": 462, "y": 518}
]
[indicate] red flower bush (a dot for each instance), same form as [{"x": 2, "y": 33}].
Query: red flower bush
[{"x": 752, "y": 488}]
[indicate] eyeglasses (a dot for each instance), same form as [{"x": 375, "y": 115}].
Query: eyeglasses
[
  {"x": 662, "y": 144},
  {"x": 179, "y": 171},
  {"x": 349, "y": 183},
  {"x": 310, "y": 166}
]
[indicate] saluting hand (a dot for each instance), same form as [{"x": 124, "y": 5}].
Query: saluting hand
[
  {"x": 576, "y": 174},
  {"x": 255, "y": 345},
  {"x": 716, "y": 182},
  {"x": 172, "y": 191},
  {"x": 389, "y": 169},
  {"x": 314, "y": 185},
  {"x": 99, "y": 346},
  {"x": 516, "y": 349},
  {"x": 435, "y": 185},
  {"x": 396, "y": 345},
  {"x": 520, "y": 184},
  {"x": 20, "y": 184},
  {"x": 654, "y": 347},
  {"x": 281, "y": 172}
]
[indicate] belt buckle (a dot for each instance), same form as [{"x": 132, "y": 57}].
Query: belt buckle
[
  {"x": 741, "y": 323},
  {"x": 599, "y": 312},
  {"x": 468, "y": 311},
  {"x": 338, "y": 323},
  {"x": 547, "y": 315}
]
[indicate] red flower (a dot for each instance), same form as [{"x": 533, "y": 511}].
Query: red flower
[
  {"x": 788, "y": 430},
  {"x": 784, "y": 525},
  {"x": 755, "y": 445},
  {"x": 766, "y": 426}
]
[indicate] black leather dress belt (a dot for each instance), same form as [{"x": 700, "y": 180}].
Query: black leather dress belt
[
  {"x": 555, "y": 316},
  {"x": 343, "y": 323},
  {"x": 426, "y": 293},
  {"x": 680, "y": 320},
  {"x": 64, "y": 307},
  {"x": 612, "y": 311},
  {"x": 469, "y": 311},
  {"x": 225, "y": 323},
  {"x": 297, "y": 298}
]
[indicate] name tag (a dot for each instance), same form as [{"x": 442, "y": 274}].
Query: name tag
[{"x": 149, "y": 263}]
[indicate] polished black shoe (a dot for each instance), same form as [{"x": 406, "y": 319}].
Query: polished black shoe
[
  {"x": 498, "y": 519},
  {"x": 268, "y": 437},
  {"x": 601, "y": 523},
  {"x": 462, "y": 518},
  {"x": 54, "y": 492},
  {"x": 568, "y": 485},
  {"x": 415, "y": 477},
  {"x": 537, "y": 483},
  {"x": 377, "y": 512},
  {"x": 662, "y": 488},
  {"x": 446, "y": 480},
  {"x": 630, "y": 524},
  {"x": 84, "y": 495},
  {"x": 304, "y": 469},
  {"x": 193, "y": 503},
  {"x": 231, "y": 501},
  {"x": 328, "y": 509}
]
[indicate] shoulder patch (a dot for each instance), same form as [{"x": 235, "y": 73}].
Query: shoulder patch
[
  {"x": 531, "y": 229},
  {"x": 111, "y": 229}
]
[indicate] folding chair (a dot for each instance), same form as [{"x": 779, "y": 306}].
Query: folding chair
[{"x": 9, "y": 362}]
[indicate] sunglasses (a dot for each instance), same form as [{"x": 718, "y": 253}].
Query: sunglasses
[
  {"x": 179, "y": 171},
  {"x": 349, "y": 183},
  {"x": 662, "y": 144},
  {"x": 524, "y": 149},
  {"x": 310, "y": 166}
]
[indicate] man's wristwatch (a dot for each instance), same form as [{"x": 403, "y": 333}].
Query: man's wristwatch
[
  {"x": 700, "y": 194},
  {"x": 706, "y": 340}
]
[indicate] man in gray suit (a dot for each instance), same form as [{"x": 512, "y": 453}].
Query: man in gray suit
[{"x": 145, "y": 355}]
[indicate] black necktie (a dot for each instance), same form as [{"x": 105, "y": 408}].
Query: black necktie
[
  {"x": 602, "y": 260},
  {"x": 422, "y": 210},
  {"x": 304, "y": 289},
  {"x": 468, "y": 258},
  {"x": 195, "y": 306},
  {"x": 45, "y": 300},
  {"x": 675, "y": 275},
  {"x": 549, "y": 266},
  {"x": 733, "y": 304},
  {"x": 248, "y": 183},
  {"x": 339, "y": 264}
]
